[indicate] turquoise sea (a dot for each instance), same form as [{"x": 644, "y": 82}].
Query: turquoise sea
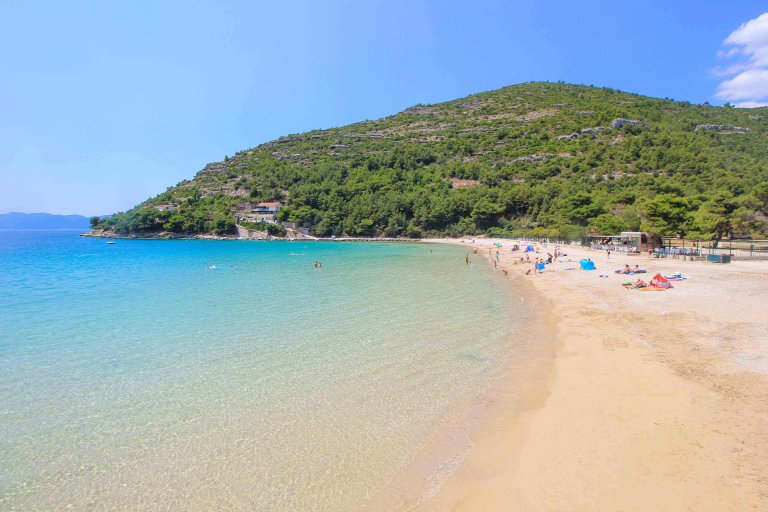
[{"x": 135, "y": 377}]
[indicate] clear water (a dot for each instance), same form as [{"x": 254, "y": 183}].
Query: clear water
[{"x": 134, "y": 377}]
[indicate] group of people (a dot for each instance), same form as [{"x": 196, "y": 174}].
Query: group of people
[
  {"x": 538, "y": 263},
  {"x": 628, "y": 270}
]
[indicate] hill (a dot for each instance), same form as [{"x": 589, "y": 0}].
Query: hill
[
  {"x": 548, "y": 159},
  {"x": 16, "y": 220}
]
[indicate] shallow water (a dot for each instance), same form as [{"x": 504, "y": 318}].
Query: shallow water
[{"x": 132, "y": 376}]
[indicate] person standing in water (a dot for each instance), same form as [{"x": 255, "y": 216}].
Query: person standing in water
[{"x": 466, "y": 259}]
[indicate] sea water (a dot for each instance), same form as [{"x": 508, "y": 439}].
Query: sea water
[{"x": 232, "y": 375}]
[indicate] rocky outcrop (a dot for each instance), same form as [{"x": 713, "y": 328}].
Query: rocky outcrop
[
  {"x": 467, "y": 104},
  {"x": 420, "y": 110},
  {"x": 620, "y": 122},
  {"x": 287, "y": 156},
  {"x": 531, "y": 158},
  {"x": 575, "y": 135},
  {"x": 721, "y": 127},
  {"x": 251, "y": 234}
]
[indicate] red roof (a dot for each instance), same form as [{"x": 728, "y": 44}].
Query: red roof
[{"x": 274, "y": 203}]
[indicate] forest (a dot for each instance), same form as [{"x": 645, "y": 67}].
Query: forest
[{"x": 540, "y": 159}]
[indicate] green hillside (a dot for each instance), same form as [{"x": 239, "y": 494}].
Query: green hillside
[{"x": 542, "y": 158}]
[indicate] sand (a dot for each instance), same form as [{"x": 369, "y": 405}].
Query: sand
[{"x": 648, "y": 401}]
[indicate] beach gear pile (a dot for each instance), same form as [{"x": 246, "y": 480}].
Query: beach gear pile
[{"x": 659, "y": 283}]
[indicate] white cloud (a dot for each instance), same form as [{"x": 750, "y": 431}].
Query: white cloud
[
  {"x": 751, "y": 104},
  {"x": 748, "y": 47}
]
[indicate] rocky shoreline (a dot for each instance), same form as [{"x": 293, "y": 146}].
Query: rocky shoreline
[
  {"x": 168, "y": 235},
  {"x": 162, "y": 235}
]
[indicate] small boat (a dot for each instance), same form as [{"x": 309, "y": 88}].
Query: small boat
[{"x": 110, "y": 243}]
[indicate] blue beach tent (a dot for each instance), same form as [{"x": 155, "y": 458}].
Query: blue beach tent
[{"x": 587, "y": 265}]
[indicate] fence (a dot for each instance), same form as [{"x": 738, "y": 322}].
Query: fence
[{"x": 737, "y": 249}]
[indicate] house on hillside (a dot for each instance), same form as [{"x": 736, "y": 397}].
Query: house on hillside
[
  {"x": 164, "y": 207},
  {"x": 268, "y": 208},
  {"x": 263, "y": 212}
]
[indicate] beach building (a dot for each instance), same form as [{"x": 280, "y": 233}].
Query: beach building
[
  {"x": 630, "y": 242},
  {"x": 260, "y": 212},
  {"x": 267, "y": 208}
]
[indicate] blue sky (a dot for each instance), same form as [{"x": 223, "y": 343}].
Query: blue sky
[{"x": 103, "y": 104}]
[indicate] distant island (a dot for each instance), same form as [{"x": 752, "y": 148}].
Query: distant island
[
  {"x": 16, "y": 220},
  {"x": 534, "y": 159}
]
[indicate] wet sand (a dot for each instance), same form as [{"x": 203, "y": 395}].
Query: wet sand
[{"x": 636, "y": 401}]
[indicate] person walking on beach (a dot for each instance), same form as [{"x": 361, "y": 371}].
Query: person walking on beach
[{"x": 609, "y": 253}]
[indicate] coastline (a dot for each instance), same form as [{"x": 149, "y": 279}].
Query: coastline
[
  {"x": 649, "y": 401},
  {"x": 167, "y": 235},
  {"x": 492, "y": 413}
]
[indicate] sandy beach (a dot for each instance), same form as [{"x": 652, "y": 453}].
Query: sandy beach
[{"x": 647, "y": 401}]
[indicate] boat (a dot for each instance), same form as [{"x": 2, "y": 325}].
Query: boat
[{"x": 110, "y": 243}]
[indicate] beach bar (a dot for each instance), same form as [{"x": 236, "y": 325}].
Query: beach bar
[{"x": 631, "y": 242}]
